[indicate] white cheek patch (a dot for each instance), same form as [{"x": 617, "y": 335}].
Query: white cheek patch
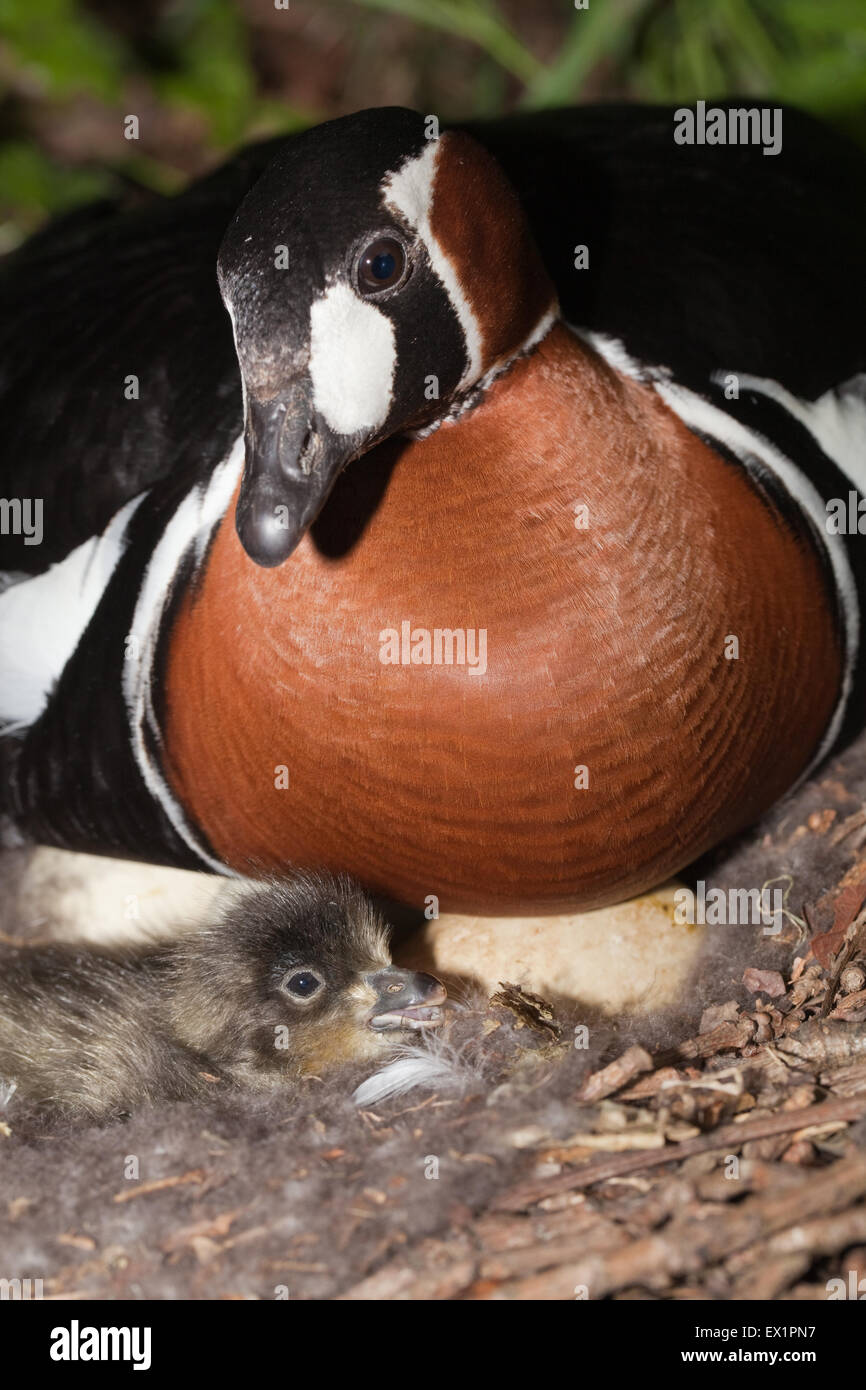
[
  {"x": 410, "y": 193},
  {"x": 352, "y": 361}
]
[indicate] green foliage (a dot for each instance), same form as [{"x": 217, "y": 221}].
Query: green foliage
[
  {"x": 470, "y": 19},
  {"x": 61, "y": 49},
  {"x": 209, "y": 70},
  {"x": 54, "y": 50},
  {"x": 797, "y": 51},
  {"x": 196, "y": 58},
  {"x": 601, "y": 33},
  {"x": 811, "y": 53},
  {"x": 212, "y": 72}
]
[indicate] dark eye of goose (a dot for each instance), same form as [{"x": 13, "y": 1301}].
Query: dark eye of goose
[
  {"x": 302, "y": 983},
  {"x": 381, "y": 265}
]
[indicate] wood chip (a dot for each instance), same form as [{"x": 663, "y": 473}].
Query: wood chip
[
  {"x": 145, "y": 1189},
  {"x": 768, "y": 982},
  {"x": 609, "y": 1079}
]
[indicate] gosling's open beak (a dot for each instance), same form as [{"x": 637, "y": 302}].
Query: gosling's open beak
[
  {"x": 289, "y": 470},
  {"x": 406, "y": 999}
]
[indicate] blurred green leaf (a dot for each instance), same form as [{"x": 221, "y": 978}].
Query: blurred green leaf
[
  {"x": 824, "y": 85},
  {"x": 62, "y": 48},
  {"x": 837, "y": 19},
  {"x": 604, "y": 31},
  {"x": 213, "y": 75},
  {"x": 195, "y": 56},
  {"x": 745, "y": 23},
  {"x": 469, "y": 19}
]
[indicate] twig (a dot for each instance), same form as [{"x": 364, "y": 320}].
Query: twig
[
  {"x": 159, "y": 1184},
  {"x": 727, "y": 1136},
  {"x": 688, "y": 1245},
  {"x": 633, "y": 1062}
]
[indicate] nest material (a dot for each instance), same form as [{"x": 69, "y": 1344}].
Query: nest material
[
  {"x": 726, "y": 1160},
  {"x": 728, "y": 1168}
]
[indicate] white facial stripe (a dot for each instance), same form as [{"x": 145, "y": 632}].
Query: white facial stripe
[
  {"x": 410, "y": 193},
  {"x": 42, "y": 620},
  {"x": 352, "y": 361}
]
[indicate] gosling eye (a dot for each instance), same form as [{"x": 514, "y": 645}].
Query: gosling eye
[
  {"x": 381, "y": 265},
  {"x": 302, "y": 985}
]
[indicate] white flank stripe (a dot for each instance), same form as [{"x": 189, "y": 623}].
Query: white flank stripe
[
  {"x": 43, "y": 619},
  {"x": 189, "y": 528},
  {"x": 409, "y": 192},
  {"x": 836, "y": 420}
]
